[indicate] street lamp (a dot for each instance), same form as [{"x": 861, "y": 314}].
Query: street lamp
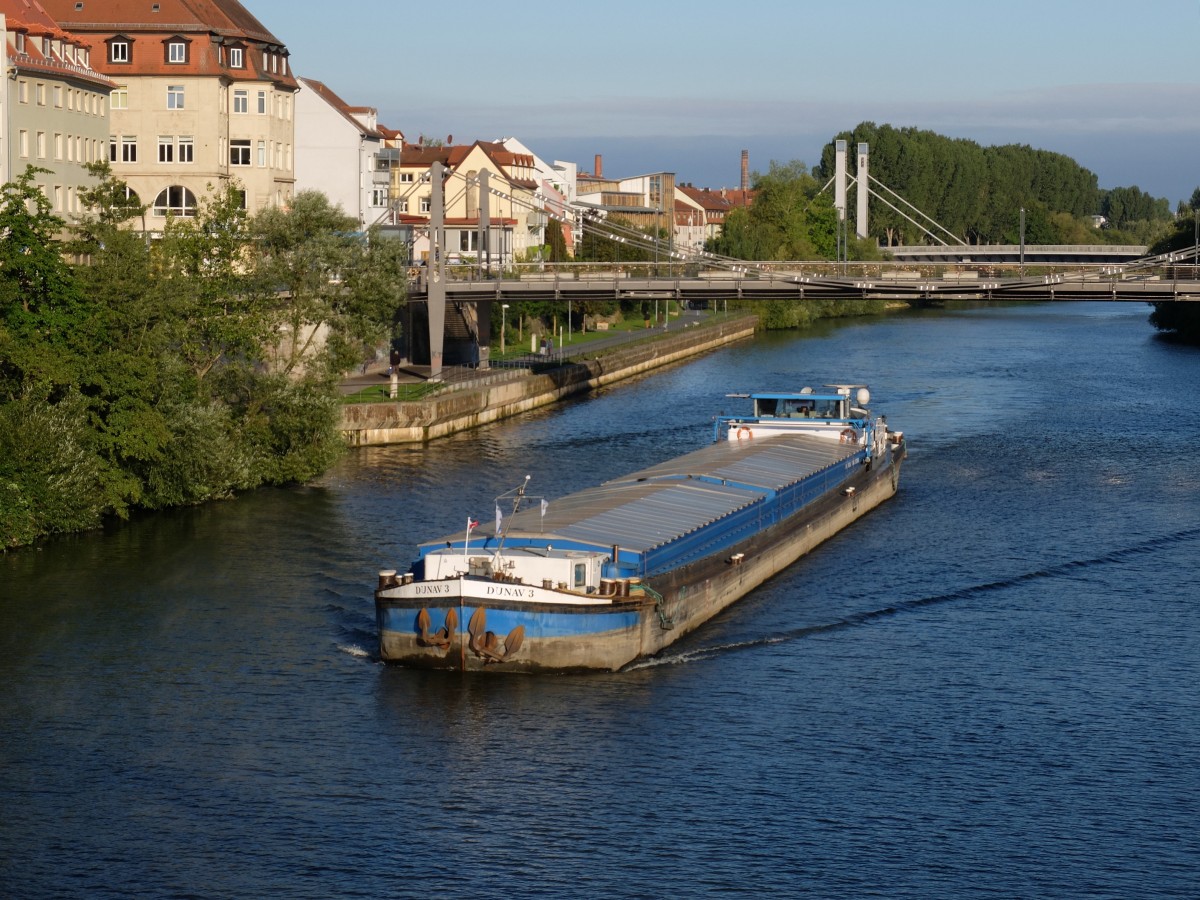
[{"x": 503, "y": 321}]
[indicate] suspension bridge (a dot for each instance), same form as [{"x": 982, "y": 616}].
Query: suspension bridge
[{"x": 943, "y": 272}]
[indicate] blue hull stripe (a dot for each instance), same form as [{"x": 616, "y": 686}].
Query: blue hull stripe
[{"x": 538, "y": 623}]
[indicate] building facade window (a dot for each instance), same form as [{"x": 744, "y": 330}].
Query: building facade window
[
  {"x": 239, "y": 153},
  {"x": 128, "y": 149},
  {"x": 262, "y": 154},
  {"x": 118, "y": 51},
  {"x": 406, "y": 178},
  {"x": 236, "y": 58},
  {"x": 166, "y": 149},
  {"x": 58, "y": 96},
  {"x": 379, "y": 196},
  {"x": 426, "y": 204},
  {"x": 119, "y": 98},
  {"x": 186, "y": 150},
  {"x": 240, "y": 101},
  {"x": 176, "y": 52},
  {"x": 24, "y": 143},
  {"x": 23, "y": 91},
  {"x": 402, "y": 206},
  {"x": 175, "y": 96},
  {"x": 176, "y": 201},
  {"x": 39, "y": 92},
  {"x": 41, "y": 145},
  {"x": 58, "y": 146},
  {"x": 262, "y": 103}
]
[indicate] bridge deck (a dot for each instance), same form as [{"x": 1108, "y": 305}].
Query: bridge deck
[{"x": 776, "y": 285}]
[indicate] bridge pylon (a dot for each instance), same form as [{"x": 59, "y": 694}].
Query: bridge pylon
[{"x": 864, "y": 189}]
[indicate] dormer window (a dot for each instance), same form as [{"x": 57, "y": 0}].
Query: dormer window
[
  {"x": 177, "y": 51},
  {"x": 120, "y": 50},
  {"x": 20, "y": 40},
  {"x": 236, "y": 58}
]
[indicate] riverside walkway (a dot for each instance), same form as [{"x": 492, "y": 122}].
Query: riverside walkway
[{"x": 378, "y": 374}]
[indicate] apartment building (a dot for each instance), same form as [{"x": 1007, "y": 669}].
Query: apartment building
[
  {"x": 515, "y": 221},
  {"x": 203, "y": 96},
  {"x": 53, "y": 106},
  {"x": 337, "y": 152}
]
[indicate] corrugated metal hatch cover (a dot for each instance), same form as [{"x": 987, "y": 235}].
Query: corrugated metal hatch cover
[{"x": 666, "y": 501}]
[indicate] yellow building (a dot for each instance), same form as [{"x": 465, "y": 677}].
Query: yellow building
[{"x": 204, "y": 96}]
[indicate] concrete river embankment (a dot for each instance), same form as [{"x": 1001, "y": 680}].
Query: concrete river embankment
[{"x": 372, "y": 424}]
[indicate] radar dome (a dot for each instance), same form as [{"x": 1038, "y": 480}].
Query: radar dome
[{"x": 863, "y": 397}]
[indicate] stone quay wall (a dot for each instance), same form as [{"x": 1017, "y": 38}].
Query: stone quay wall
[{"x": 374, "y": 424}]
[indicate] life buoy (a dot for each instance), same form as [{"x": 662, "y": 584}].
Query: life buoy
[
  {"x": 744, "y": 431},
  {"x": 849, "y": 436}
]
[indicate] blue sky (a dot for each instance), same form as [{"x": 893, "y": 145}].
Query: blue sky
[{"x": 685, "y": 87}]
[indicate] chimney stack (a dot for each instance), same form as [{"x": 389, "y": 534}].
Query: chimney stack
[
  {"x": 599, "y": 166},
  {"x": 745, "y": 170}
]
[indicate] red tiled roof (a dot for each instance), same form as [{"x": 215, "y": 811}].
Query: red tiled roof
[
  {"x": 30, "y": 17},
  {"x": 223, "y": 17},
  {"x": 420, "y": 156},
  {"x": 712, "y": 201},
  {"x": 148, "y": 24}
]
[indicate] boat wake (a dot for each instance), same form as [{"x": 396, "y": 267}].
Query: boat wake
[
  {"x": 356, "y": 652},
  {"x": 867, "y": 617}
]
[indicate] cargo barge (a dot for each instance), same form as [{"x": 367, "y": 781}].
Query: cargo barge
[{"x": 617, "y": 572}]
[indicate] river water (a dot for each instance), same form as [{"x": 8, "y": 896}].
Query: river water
[{"x": 986, "y": 688}]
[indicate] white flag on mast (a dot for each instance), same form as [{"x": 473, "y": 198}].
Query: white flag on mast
[{"x": 499, "y": 519}]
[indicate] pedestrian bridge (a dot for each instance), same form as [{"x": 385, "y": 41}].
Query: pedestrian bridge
[{"x": 1145, "y": 280}]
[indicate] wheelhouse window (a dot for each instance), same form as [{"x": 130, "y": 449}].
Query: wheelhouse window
[{"x": 175, "y": 201}]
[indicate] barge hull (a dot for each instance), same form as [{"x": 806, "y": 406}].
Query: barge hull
[{"x": 473, "y": 633}]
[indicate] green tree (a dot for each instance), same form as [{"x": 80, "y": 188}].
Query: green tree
[
  {"x": 39, "y": 300},
  {"x": 556, "y": 241},
  {"x": 790, "y": 218},
  {"x": 338, "y": 290}
]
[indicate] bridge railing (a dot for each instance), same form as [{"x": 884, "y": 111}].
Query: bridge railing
[{"x": 1184, "y": 267}]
